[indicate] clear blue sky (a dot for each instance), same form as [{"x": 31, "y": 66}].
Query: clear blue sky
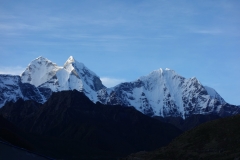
[{"x": 121, "y": 40}]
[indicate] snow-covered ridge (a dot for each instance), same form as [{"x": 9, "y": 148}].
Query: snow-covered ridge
[
  {"x": 214, "y": 94},
  {"x": 161, "y": 93},
  {"x": 11, "y": 89},
  {"x": 164, "y": 93},
  {"x": 43, "y": 73},
  {"x": 39, "y": 71}
]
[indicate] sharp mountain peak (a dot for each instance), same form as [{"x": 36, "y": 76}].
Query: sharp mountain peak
[{"x": 161, "y": 93}]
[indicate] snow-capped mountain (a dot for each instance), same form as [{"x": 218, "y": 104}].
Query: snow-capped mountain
[
  {"x": 165, "y": 93},
  {"x": 161, "y": 93},
  {"x": 39, "y": 71},
  {"x": 73, "y": 75},
  {"x": 11, "y": 89}
]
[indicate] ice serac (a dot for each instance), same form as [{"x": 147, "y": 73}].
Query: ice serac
[
  {"x": 11, "y": 89},
  {"x": 165, "y": 93},
  {"x": 75, "y": 75},
  {"x": 39, "y": 71}
]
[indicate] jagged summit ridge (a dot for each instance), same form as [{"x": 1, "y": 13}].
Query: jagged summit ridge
[
  {"x": 161, "y": 93},
  {"x": 39, "y": 71},
  {"x": 71, "y": 64},
  {"x": 164, "y": 93},
  {"x": 70, "y": 60},
  {"x": 43, "y": 73}
]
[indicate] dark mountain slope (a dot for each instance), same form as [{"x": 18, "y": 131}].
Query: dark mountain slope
[
  {"x": 12, "y": 134},
  {"x": 218, "y": 139},
  {"x": 189, "y": 122},
  {"x": 70, "y": 126},
  {"x": 20, "y": 112},
  {"x": 17, "y": 144}
]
